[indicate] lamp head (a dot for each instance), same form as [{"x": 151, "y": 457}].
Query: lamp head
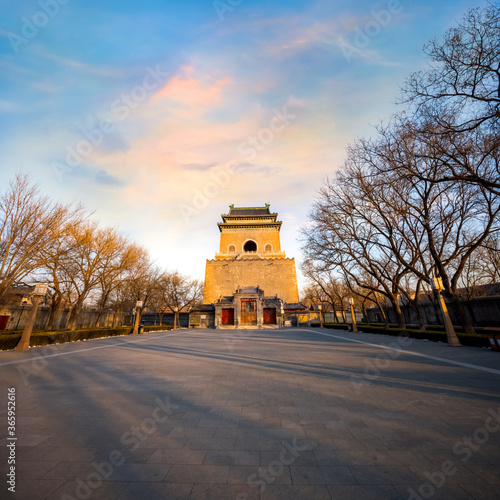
[{"x": 40, "y": 289}]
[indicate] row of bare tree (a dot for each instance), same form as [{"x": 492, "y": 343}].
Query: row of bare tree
[
  {"x": 422, "y": 198},
  {"x": 84, "y": 263}
]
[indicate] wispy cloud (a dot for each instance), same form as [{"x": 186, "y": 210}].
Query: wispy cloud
[
  {"x": 97, "y": 176},
  {"x": 10, "y": 107},
  {"x": 76, "y": 65},
  {"x": 198, "y": 167},
  {"x": 252, "y": 169}
]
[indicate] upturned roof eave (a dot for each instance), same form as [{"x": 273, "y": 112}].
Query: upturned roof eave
[
  {"x": 255, "y": 216},
  {"x": 276, "y": 224}
]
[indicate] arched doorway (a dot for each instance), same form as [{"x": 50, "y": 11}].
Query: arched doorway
[{"x": 250, "y": 246}]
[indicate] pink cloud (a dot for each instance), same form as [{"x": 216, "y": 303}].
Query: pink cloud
[{"x": 190, "y": 92}]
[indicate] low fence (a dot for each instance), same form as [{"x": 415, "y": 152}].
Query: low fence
[
  {"x": 15, "y": 318},
  {"x": 482, "y": 312}
]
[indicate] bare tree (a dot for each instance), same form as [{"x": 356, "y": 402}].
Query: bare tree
[
  {"x": 464, "y": 76},
  {"x": 79, "y": 270},
  {"x": 411, "y": 292},
  {"x": 55, "y": 276},
  {"x": 179, "y": 291},
  {"x": 117, "y": 264},
  {"x": 482, "y": 268},
  {"x": 141, "y": 284},
  {"x": 326, "y": 286},
  {"x": 490, "y": 258},
  {"x": 460, "y": 95},
  {"x": 29, "y": 223},
  {"x": 344, "y": 237},
  {"x": 423, "y": 198},
  {"x": 444, "y": 223}
]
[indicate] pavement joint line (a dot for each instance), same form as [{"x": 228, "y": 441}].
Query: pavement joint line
[
  {"x": 413, "y": 353},
  {"x": 118, "y": 344}
]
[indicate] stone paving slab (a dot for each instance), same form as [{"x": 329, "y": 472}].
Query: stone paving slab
[{"x": 254, "y": 414}]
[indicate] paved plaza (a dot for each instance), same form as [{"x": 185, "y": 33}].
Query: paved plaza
[{"x": 253, "y": 414}]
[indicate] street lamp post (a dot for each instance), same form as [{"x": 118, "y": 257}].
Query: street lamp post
[
  {"x": 138, "y": 306},
  {"x": 437, "y": 286},
  {"x": 24, "y": 302},
  {"x": 354, "y": 326},
  {"x": 320, "y": 307},
  {"x": 38, "y": 293}
]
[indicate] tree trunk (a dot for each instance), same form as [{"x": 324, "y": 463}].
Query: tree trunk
[
  {"x": 470, "y": 308},
  {"x": 386, "y": 322},
  {"x": 399, "y": 315},
  {"x": 437, "y": 311},
  {"x": 97, "y": 322},
  {"x": 334, "y": 311},
  {"x": 115, "y": 316},
  {"x": 460, "y": 312},
  {"x": 335, "y": 314},
  {"x": 104, "y": 301},
  {"x": 55, "y": 324},
  {"x": 54, "y": 320},
  {"x": 73, "y": 317},
  {"x": 418, "y": 309},
  {"x": 406, "y": 313},
  {"x": 365, "y": 312}
]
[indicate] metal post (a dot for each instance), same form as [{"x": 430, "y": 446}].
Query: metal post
[
  {"x": 24, "y": 302},
  {"x": 354, "y": 326},
  {"x": 138, "y": 306},
  {"x": 39, "y": 292},
  {"x": 320, "y": 315},
  {"x": 437, "y": 285}
]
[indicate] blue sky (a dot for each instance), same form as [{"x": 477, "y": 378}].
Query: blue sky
[{"x": 158, "y": 115}]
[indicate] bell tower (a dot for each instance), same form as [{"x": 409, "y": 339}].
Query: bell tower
[
  {"x": 250, "y": 255},
  {"x": 249, "y": 231}
]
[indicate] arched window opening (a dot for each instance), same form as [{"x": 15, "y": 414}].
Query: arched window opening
[
  {"x": 268, "y": 248},
  {"x": 232, "y": 249},
  {"x": 250, "y": 246}
]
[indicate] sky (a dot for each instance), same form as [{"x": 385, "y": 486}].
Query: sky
[{"x": 158, "y": 115}]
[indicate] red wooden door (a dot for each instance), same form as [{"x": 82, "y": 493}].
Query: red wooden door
[
  {"x": 269, "y": 316},
  {"x": 228, "y": 316},
  {"x": 3, "y": 322}
]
